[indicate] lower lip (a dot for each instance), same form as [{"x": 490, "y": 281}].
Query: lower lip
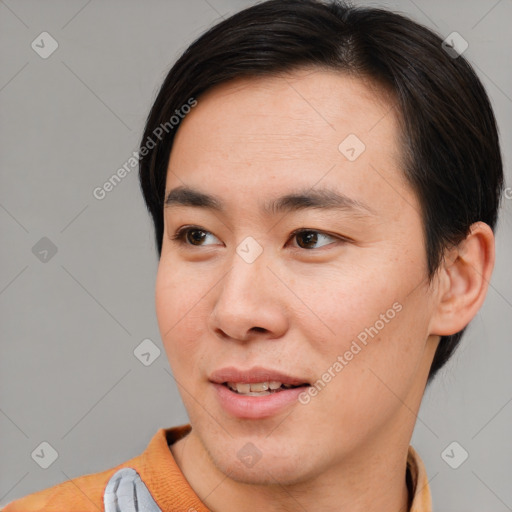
[{"x": 256, "y": 407}]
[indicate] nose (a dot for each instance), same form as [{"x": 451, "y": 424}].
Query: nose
[{"x": 249, "y": 303}]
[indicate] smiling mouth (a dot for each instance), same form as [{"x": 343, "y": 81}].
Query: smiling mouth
[{"x": 259, "y": 388}]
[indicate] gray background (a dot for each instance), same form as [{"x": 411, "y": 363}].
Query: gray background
[{"x": 69, "y": 326}]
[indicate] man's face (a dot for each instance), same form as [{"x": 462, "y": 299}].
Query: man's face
[{"x": 342, "y": 306}]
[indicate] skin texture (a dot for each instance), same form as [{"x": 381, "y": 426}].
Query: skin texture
[{"x": 296, "y": 309}]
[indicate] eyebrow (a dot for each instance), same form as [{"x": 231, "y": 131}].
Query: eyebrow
[{"x": 323, "y": 199}]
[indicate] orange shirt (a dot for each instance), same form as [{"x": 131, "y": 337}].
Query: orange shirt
[{"x": 166, "y": 483}]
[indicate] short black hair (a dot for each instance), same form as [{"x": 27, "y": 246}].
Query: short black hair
[{"x": 449, "y": 138}]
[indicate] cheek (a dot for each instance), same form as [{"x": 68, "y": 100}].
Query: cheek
[
  {"x": 367, "y": 377},
  {"x": 382, "y": 353},
  {"x": 347, "y": 304},
  {"x": 180, "y": 311},
  {"x": 375, "y": 318}
]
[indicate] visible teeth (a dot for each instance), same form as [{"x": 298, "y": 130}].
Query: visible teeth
[
  {"x": 256, "y": 387},
  {"x": 242, "y": 388}
]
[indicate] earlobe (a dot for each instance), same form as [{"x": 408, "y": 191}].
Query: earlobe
[{"x": 463, "y": 281}]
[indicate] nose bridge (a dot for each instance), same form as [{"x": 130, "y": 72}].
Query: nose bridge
[{"x": 246, "y": 280}]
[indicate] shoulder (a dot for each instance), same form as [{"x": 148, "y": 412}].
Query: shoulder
[
  {"x": 84, "y": 493},
  {"x": 152, "y": 473}
]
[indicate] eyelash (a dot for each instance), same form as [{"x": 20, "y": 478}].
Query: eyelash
[{"x": 179, "y": 236}]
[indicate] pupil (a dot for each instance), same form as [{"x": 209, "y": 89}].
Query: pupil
[
  {"x": 192, "y": 238},
  {"x": 311, "y": 237}
]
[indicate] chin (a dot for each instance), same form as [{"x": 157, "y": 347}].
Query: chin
[
  {"x": 265, "y": 473},
  {"x": 268, "y": 466}
]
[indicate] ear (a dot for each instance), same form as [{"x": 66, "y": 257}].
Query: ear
[{"x": 463, "y": 281}]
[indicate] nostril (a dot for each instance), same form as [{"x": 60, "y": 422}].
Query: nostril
[{"x": 259, "y": 329}]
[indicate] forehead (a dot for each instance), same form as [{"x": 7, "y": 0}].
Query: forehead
[
  {"x": 308, "y": 103},
  {"x": 266, "y": 133}
]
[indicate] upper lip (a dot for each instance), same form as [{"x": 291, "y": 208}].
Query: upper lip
[{"x": 253, "y": 375}]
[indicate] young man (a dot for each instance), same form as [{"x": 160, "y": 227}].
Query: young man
[{"x": 324, "y": 220}]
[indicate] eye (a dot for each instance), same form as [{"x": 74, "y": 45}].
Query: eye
[
  {"x": 309, "y": 237},
  {"x": 192, "y": 235}
]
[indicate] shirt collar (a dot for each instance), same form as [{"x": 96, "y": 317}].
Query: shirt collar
[{"x": 421, "y": 499}]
